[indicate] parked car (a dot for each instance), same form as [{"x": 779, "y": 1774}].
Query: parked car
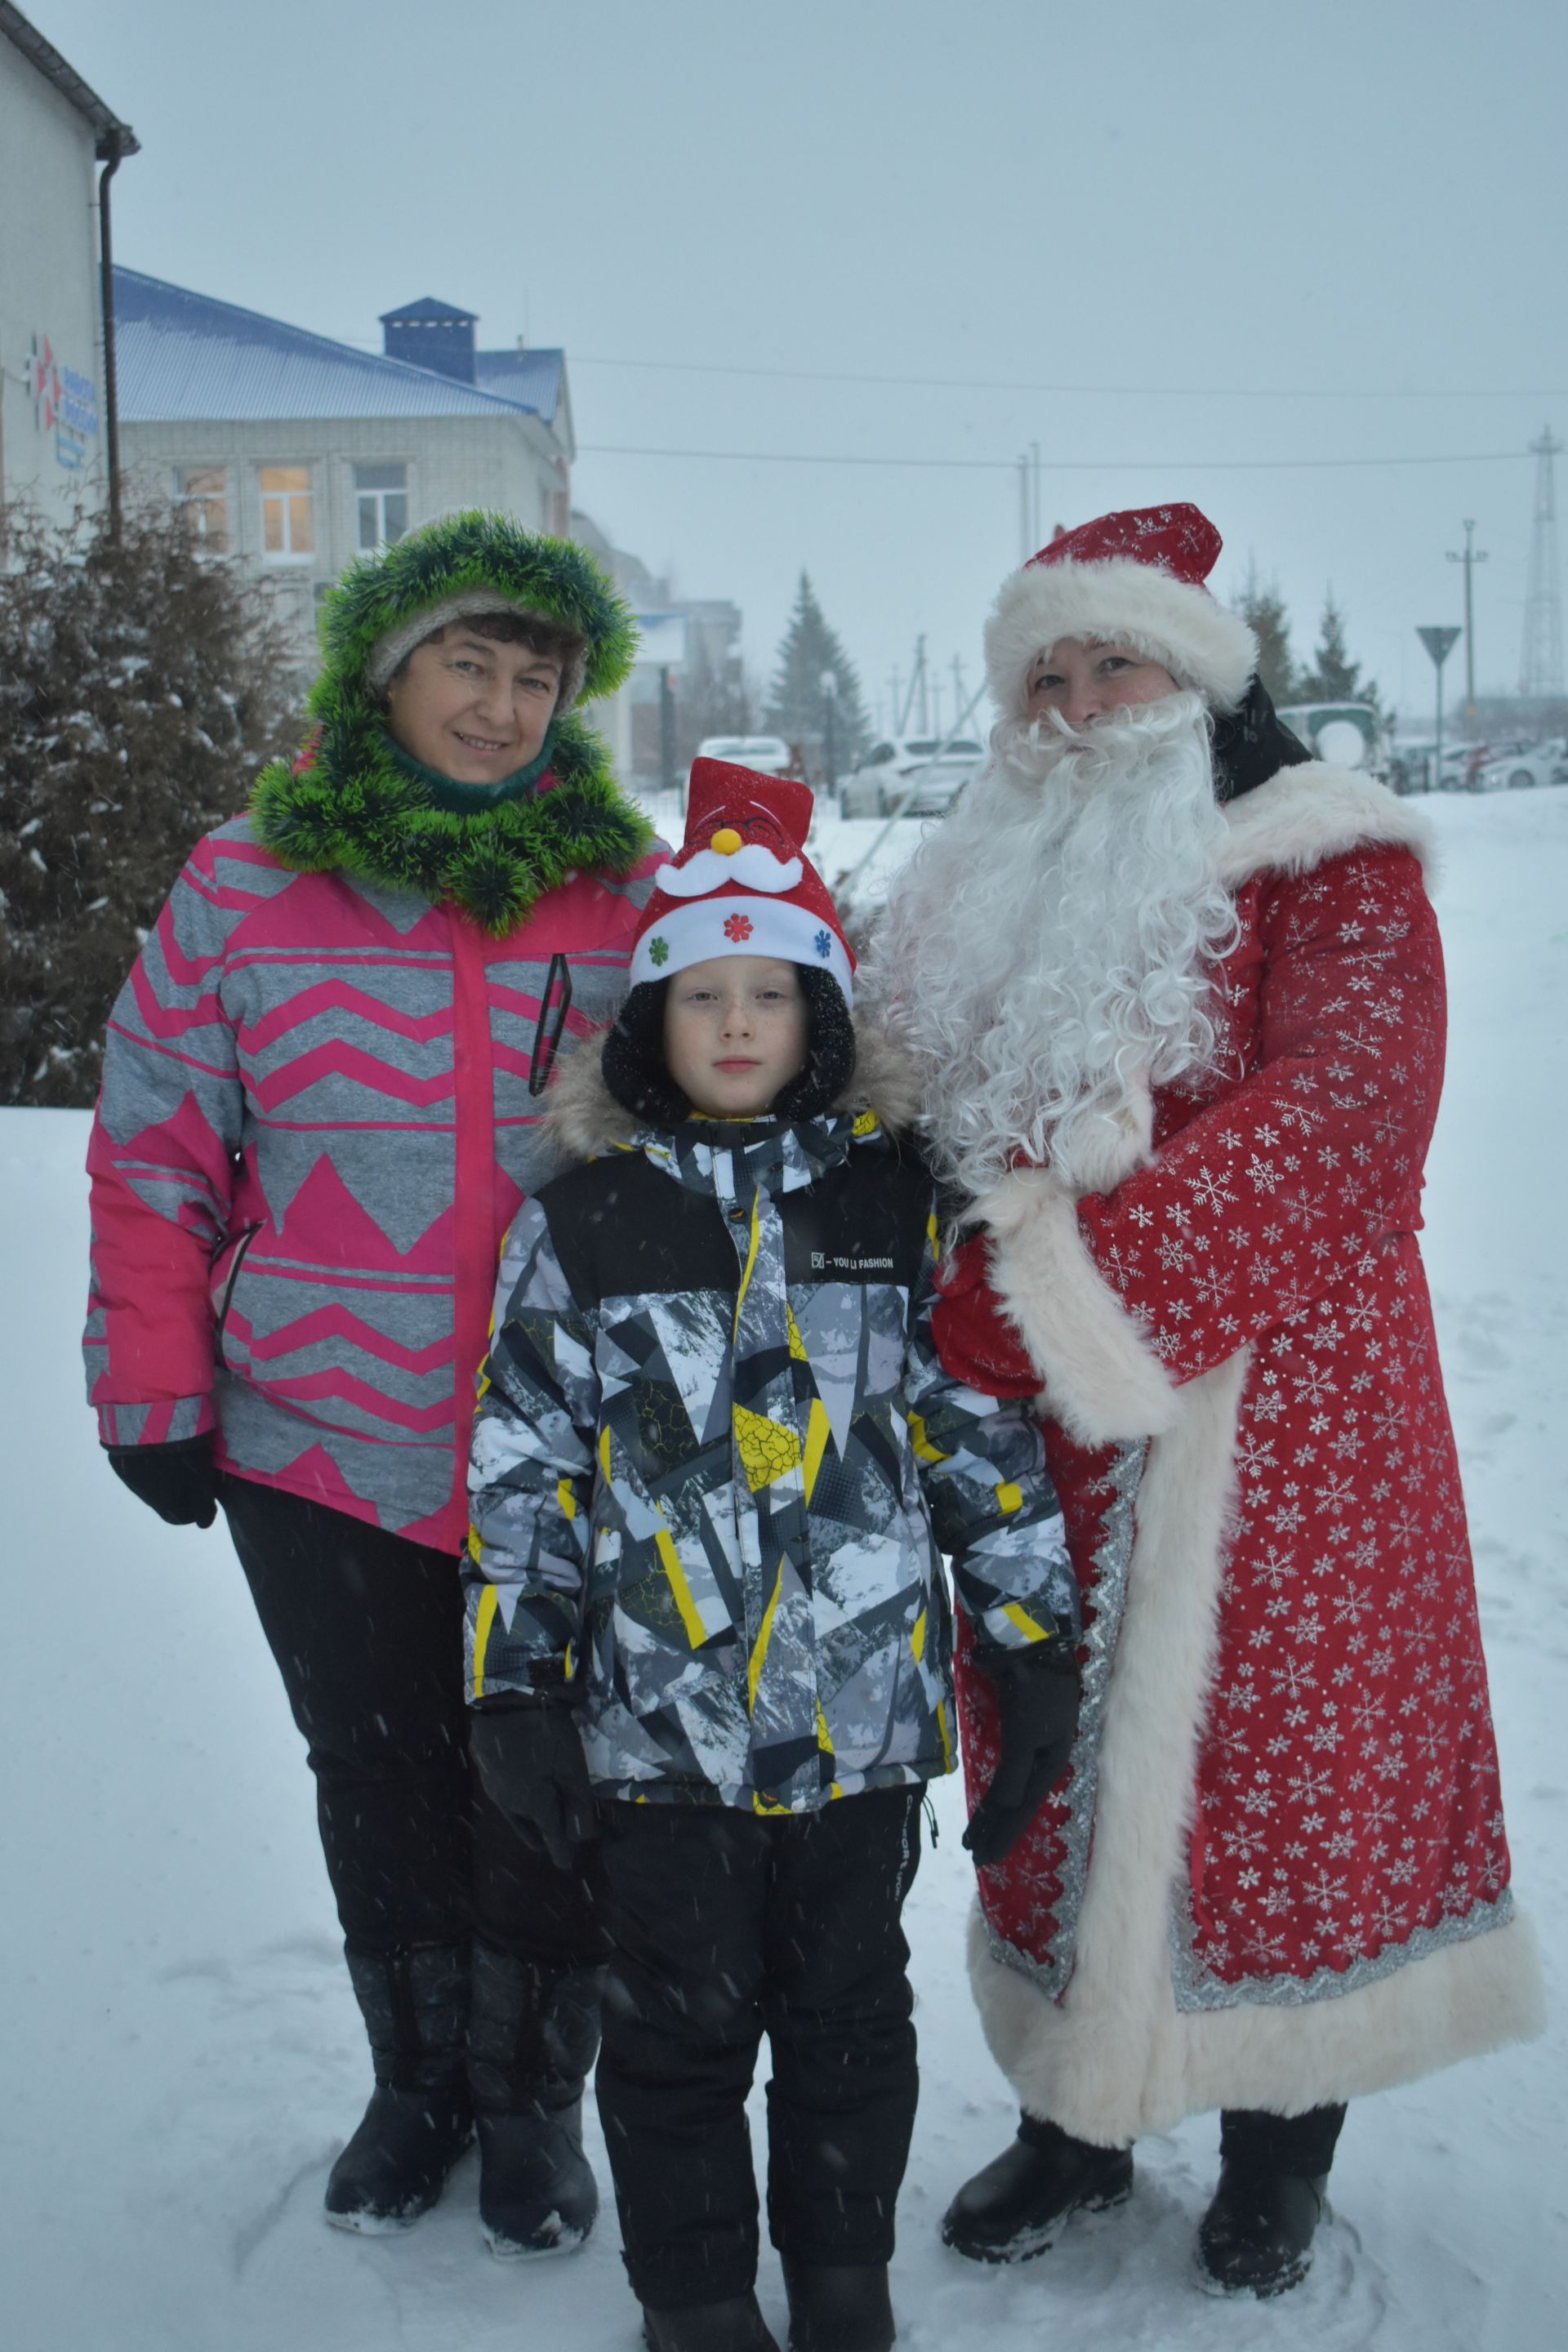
[
  {"x": 1539, "y": 763},
  {"x": 1346, "y": 734},
  {"x": 925, "y": 772},
  {"x": 769, "y": 754}
]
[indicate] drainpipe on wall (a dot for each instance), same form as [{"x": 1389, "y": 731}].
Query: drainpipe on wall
[{"x": 110, "y": 155}]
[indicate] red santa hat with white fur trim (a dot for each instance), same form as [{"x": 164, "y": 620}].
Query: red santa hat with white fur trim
[
  {"x": 1136, "y": 578},
  {"x": 741, "y": 883}
]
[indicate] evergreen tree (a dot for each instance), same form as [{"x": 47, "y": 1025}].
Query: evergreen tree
[
  {"x": 797, "y": 707},
  {"x": 140, "y": 688},
  {"x": 1333, "y": 676},
  {"x": 1262, "y": 607}
]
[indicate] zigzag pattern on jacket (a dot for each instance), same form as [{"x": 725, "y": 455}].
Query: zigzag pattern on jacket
[{"x": 315, "y": 1127}]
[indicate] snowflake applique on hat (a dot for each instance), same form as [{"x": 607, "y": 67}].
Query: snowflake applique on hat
[{"x": 741, "y": 882}]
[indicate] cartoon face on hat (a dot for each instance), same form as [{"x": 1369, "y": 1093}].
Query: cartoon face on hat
[
  {"x": 741, "y": 883},
  {"x": 1136, "y": 579}
]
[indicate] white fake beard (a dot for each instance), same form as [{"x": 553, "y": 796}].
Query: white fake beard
[{"x": 1048, "y": 951}]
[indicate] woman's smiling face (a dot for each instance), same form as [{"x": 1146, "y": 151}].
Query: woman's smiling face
[{"x": 473, "y": 708}]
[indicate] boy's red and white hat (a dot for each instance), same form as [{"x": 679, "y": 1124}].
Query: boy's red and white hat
[
  {"x": 741, "y": 883},
  {"x": 1136, "y": 578}
]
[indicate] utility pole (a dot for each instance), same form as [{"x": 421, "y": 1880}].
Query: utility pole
[
  {"x": 957, "y": 686},
  {"x": 1540, "y": 666},
  {"x": 1470, "y": 558},
  {"x": 830, "y": 713},
  {"x": 1035, "y": 503},
  {"x": 1025, "y": 511}
]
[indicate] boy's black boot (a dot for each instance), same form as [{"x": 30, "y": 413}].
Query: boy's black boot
[
  {"x": 1256, "y": 2236},
  {"x": 532, "y": 2037},
  {"x": 735, "y": 2325},
  {"x": 1015, "y": 2208},
  {"x": 838, "y": 2306},
  {"x": 415, "y": 2004}
]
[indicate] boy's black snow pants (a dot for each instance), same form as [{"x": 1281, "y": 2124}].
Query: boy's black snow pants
[
  {"x": 367, "y": 1630},
  {"x": 727, "y": 1925}
]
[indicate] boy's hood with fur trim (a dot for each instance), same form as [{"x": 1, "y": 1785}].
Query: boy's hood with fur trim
[{"x": 583, "y": 1118}]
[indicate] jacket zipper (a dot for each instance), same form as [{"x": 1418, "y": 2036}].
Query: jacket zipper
[
  {"x": 476, "y": 1244},
  {"x": 246, "y": 1236}
]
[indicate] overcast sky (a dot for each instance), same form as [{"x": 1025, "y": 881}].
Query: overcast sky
[{"x": 1220, "y": 230}]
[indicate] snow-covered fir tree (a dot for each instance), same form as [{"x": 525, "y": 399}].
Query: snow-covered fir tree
[
  {"x": 142, "y": 686},
  {"x": 797, "y": 702},
  {"x": 1262, "y": 607},
  {"x": 1333, "y": 675}
]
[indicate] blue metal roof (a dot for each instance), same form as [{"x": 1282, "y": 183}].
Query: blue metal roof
[
  {"x": 185, "y": 356},
  {"x": 531, "y": 378}
]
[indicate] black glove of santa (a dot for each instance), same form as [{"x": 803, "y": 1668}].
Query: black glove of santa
[
  {"x": 1038, "y": 1692},
  {"x": 528, "y": 1753},
  {"x": 179, "y": 1481}
]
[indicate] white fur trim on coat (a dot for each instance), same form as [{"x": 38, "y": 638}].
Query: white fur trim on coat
[
  {"x": 1304, "y": 815},
  {"x": 1101, "y": 1378},
  {"x": 1114, "y": 2057},
  {"x": 1201, "y": 642}
]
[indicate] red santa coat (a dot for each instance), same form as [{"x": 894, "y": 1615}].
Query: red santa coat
[{"x": 1277, "y": 1875}]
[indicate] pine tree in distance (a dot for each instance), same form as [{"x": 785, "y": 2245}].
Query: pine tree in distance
[
  {"x": 1333, "y": 676},
  {"x": 142, "y": 686},
  {"x": 1262, "y": 607},
  {"x": 797, "y": 705}
]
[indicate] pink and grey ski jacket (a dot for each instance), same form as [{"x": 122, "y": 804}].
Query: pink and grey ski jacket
[{"x": 315, "y": 1130}]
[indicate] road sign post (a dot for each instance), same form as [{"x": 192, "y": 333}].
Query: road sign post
[{"x": 1439, "y": 643}]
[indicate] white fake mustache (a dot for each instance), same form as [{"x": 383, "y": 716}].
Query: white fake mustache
[{"x": 755, "y": 867}]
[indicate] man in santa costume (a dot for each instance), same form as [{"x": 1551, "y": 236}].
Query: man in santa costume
[{"x": 1177, "y": 993}]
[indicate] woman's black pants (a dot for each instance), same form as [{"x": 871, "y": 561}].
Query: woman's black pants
[
  {"x": 367, "y": 1630},
  {"x": 727, "y": 1925}
]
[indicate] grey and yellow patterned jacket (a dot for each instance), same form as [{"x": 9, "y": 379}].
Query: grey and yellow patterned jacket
[{"x": 716, "y": 1462}]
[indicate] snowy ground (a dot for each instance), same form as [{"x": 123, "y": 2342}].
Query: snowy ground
[{"x": 182, "y": 2055}]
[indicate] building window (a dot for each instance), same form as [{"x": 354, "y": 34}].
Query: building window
[
  {"x": 382, "y": 495},
  {"x": 288, "y": 528},
  {"x": 201, "y": 495}
]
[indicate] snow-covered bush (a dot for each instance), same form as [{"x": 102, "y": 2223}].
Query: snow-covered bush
[{"x": 142, "y": 684}]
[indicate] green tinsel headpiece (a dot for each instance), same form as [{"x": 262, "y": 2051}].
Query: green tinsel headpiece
[
  {"x": 385, "y": 604},
  {"x": 346, "y": 803}
]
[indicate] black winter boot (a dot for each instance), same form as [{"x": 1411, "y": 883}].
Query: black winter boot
[
  {"x": 838, "y": 2306},
  {"x": 1256, "y": 2236},
  {"x": 1017, "y": 2207},
  {"x": 415, "y": 2004},
  {"x": 736, "y": 2325},
  {"x": 532, "y": 2037}
]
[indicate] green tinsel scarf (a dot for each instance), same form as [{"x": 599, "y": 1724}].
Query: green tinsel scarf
[{"x": 347, "y": 804}]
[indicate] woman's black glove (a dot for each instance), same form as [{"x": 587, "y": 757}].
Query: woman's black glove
[
  {"x": 1038, "y": 1694},
  {"x": 529, "y": 1757},
  {"x": 179, "y": 1481}
]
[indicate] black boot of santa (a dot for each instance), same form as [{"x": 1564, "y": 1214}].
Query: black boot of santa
[
  {"x": 532, "y": 2038},
  {"x": 415, "y": 2004},
  {"x": 1256, "y": 2236},
  {"x": 1017, "y": 2206}
]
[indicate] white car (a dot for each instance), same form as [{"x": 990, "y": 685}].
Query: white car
[
  {"x": 769, "y": 754},
  {"x": 925, "y": 772},
  {"x": 1542, "y": 764}
]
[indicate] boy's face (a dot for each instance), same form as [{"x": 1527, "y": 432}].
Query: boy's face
[{"x": 735, "y": 1031}]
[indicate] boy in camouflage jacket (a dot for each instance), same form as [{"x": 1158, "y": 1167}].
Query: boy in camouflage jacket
[{"x": 715, "y": 1463}]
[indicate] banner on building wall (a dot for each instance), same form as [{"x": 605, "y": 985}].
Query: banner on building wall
[{"x": 65, "y": 406}]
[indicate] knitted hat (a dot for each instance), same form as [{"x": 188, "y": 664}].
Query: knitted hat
[
  {"x": 1137, "y": 579},
  {"x": 741, "y": 884},
  {"x": 462, "y": 566}
]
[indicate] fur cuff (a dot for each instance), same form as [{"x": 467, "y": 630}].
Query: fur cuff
[
  {"x": 1101, "y": 1379},
  {"x": 1306, "y": 815}
]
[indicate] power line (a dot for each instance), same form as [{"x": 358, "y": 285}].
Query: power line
[
  {"x": 1047, "y": 466},
  {"x": 1099, "y": 391}
]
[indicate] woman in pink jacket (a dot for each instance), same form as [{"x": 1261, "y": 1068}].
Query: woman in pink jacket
[{"x": 320, "y": 1113}]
